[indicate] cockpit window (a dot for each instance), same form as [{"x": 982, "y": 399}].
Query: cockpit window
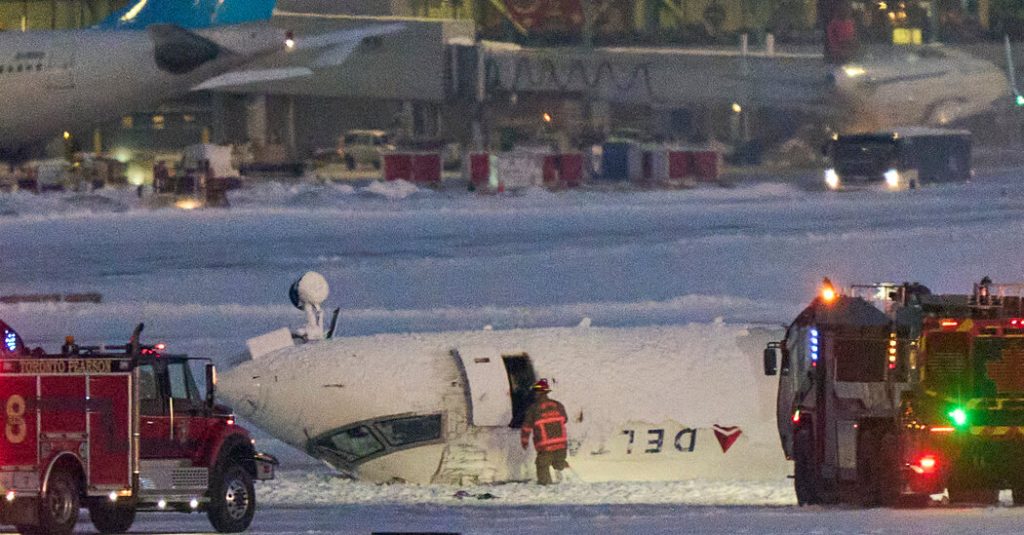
[
  {"x": 354, "y": 443},
  {"x": 360, "y": 441},
  {"x": 410, "y": 430}
]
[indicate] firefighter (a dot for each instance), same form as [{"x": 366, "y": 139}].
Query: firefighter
[{"x": 545, "y": 419}]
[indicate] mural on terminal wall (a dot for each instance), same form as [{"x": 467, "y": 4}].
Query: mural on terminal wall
[
  {"x": 547, "y": 15},
  {"x": 610, "y": 17}
]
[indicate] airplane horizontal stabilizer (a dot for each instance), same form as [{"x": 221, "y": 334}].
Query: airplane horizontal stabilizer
[
  {"x": 339, "y": 45},
  {"x": 197, "y": 14},
  {"x": 253, "y": 76}
]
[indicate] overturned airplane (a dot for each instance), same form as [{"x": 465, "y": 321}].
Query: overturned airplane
[{"x": 649, "y": 403}]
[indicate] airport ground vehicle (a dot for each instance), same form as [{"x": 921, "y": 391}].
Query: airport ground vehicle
[
  {"x": 116, "y": 430},
  {"x": 888, "y": 394},
  {"x": 203, "y": 177},
  {"x": 364, "y": 147},
  {"x": 898, "y": 159}
]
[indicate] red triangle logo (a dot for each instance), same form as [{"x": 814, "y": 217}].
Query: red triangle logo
[{"x": 727, "y": 436}]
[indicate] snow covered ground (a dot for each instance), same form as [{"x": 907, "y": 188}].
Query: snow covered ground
[{"x": 403, "y": 259}]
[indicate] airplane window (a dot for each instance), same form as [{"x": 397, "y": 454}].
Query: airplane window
[
  {"x": 354, "y": 444},
  {"x": 410, "y": 430}
]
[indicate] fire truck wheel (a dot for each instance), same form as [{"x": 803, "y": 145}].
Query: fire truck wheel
[
  {"x": 1018, "y": 496},
  {"x": 887, "y": 469},
  {"x": 232, "y": 500},
  {"x": 964, "y": 489},
  {"x": 58, "y": 508},
  {"x": 804, "y": 477},
  {"x": 111, "y": 518}
]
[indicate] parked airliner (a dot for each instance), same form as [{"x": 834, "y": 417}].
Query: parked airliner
[{"x": 55, "y": 81}]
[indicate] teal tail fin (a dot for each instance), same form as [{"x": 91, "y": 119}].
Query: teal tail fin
[{"x": 189, "y": 14}]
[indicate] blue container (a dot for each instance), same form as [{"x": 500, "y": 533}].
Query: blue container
[{"x": 615, "y": 161}]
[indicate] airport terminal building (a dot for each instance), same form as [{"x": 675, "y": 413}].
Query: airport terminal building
[{"x": 485, "y": 73}]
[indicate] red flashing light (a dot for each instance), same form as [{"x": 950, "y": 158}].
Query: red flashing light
[
  {"x": 231, "y": 421},
  {"x": 796, "y": 416},
  {"x": 928, "y": 463},
  {"x": 161, "y": 346},
  {"x": 949, "y": 324}
]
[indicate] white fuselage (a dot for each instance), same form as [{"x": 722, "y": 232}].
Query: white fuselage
[
  {"x": 54, "y": 81},
  {"x": 930, "y": 85},
  {"x": 652, "y": 403}
]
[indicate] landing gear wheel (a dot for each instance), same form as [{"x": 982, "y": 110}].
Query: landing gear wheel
[
  {"x": 58, "y": 508},
  {"x": 805, "y": 480},
  {"x": 232, "y": 500},
  {"x": 111, "y": 518}
]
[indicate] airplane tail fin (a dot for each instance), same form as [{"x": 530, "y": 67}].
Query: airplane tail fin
[{"x": 191, "y": 15}]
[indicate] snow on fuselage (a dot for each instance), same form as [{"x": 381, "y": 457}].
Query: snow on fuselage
[{"x": 651, "y": 403}]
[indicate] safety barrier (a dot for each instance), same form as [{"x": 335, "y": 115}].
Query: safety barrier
[
  {"x": 663, "y": 165},
  {"x": 523, "y": 169},
  {"x": 477, "y": 169},
  {"x": 417, "y": 167},
  {"x": 645, "y": 164}
]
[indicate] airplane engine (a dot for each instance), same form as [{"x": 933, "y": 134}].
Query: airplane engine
[{"x": 178, "y": 51}]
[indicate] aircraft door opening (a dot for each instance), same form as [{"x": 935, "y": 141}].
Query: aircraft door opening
[
  {"x": 498, "y": 388},
  {"x": 521, "y": 378},
  {"x": 60, "y": 68}
]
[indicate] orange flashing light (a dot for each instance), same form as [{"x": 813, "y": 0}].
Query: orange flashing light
[
  {"x": 828, "y": 291},
  {"x": 949, "y": 324},
  {"x": 944, "y": 429}
]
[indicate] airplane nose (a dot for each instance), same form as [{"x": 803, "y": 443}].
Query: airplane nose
[{"x": 240, "y": 389}]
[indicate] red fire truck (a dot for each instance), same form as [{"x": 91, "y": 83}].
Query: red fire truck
[
  {"x": 889, "y": 394},
  {"x": 117, "y": 430}
]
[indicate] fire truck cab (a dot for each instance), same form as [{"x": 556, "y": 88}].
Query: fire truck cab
[
  {"x": 118, "y": 429},
  {"x": 889, "y": 394}
]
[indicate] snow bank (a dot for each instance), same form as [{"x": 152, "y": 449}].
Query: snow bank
[{"x": 323, "y": 488}]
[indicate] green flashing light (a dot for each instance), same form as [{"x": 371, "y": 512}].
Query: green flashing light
[
  {"x": 1020, "y": 100},
  {"x": 959, "y": 417}
]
